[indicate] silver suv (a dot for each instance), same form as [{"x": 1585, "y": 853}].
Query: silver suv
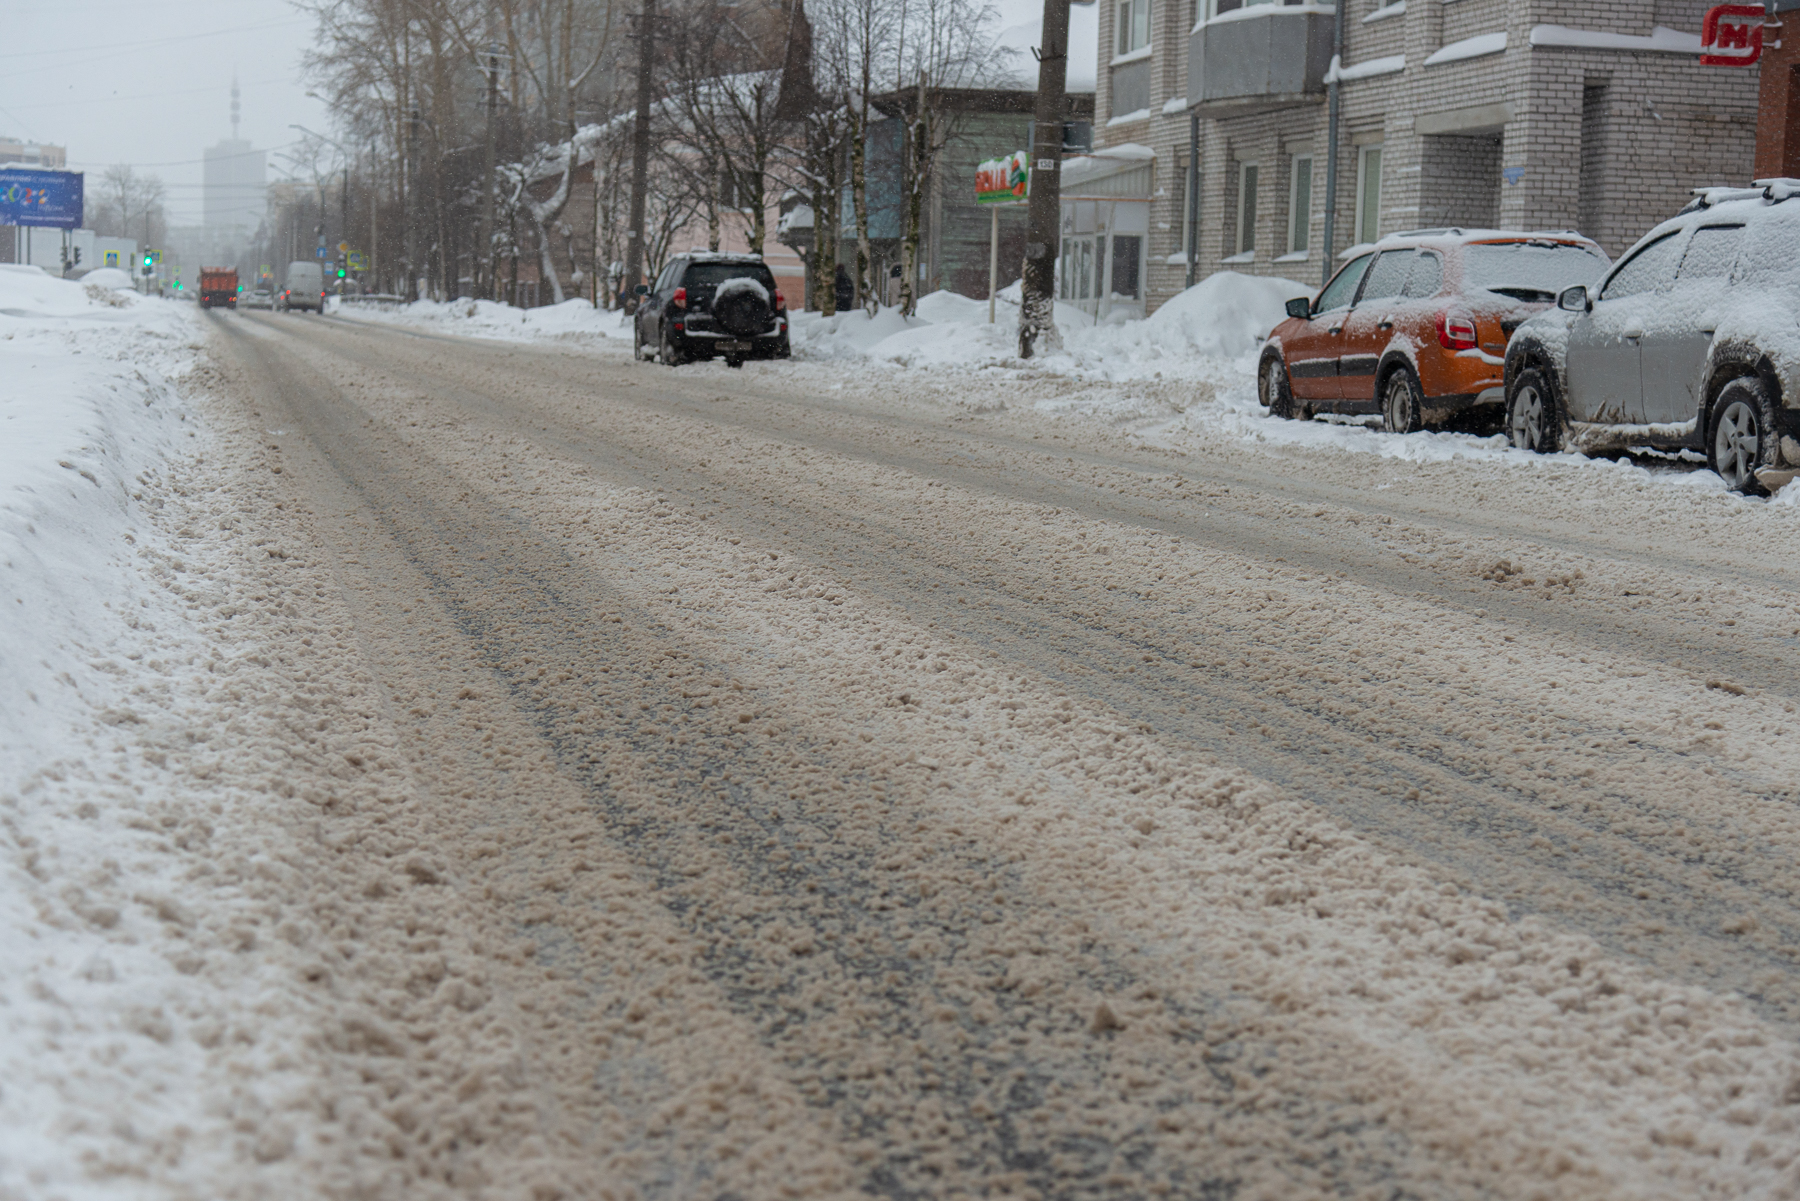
[{"x": 1692, "y": 340}]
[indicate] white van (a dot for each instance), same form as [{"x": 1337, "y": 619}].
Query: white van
[{"x": 305, "y": 287}]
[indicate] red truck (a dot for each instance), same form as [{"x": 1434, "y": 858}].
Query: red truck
[{"x": 218, "y": 285}]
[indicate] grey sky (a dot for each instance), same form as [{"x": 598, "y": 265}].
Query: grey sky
[{"x": 149, "y": 83}]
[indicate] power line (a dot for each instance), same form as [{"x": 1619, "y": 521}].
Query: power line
[
  {"x": 179, "y": 37},
  {"x": 131, "y": 47},
  {"x": 184, "y": 162},
  {"x": 151, "y": 95}
]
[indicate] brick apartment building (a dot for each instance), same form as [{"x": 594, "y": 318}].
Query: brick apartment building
[{"x": 1594, "y": 115}]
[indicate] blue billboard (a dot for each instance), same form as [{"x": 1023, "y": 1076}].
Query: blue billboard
[{"x": 50, "y": 199}]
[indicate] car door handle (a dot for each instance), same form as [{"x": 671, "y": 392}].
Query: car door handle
[
  {"x": 1634, "y": 333},
  {"x": 1337, "y": 329},
  {"x": 1384, "y": 325}
]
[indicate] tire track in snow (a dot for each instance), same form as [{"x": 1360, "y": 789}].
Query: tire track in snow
[{"x": 1602, "y": 858}]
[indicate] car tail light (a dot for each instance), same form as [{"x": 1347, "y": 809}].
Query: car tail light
[
  {"x": 1456, "y": 331},
  {"x": 681, "y": 298},
  {"x": 780, "y": 300},
  {"x": 679, "y": 327}
]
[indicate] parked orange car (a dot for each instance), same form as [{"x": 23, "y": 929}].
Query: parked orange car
[{"x": 1416, "y": 326}]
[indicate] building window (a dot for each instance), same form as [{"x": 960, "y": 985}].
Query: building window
[
  {"x": 1134, "y": 25},
  {"x": 1218, "y": 8},
  {"x": 1184, "y": 230},
  {"x": 1368, "y": 194},
  {"x": 1299, "y": 223},
  {"x": 1246, "y": 209}
]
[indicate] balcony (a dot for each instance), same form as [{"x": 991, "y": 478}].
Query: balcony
[{"x": 1260, "y": 58}]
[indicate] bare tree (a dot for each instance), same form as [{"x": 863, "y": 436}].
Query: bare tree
[
  {"x": 129, "y": 205},
  {"x": 951, "y": 48}
]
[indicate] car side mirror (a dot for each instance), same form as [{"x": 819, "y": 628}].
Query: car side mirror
[
  {"x": 1299, "y": 307},
  {"x": 641, "y": 290},
  {"x": 1575, "y": 299}
]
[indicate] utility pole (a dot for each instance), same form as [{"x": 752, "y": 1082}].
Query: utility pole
[
  {"x": 412, "y": 204},
  {"x": 1037, "y": 310},
  {"x": 486, "y": 245},
  {"x": 640, "y": 155}
]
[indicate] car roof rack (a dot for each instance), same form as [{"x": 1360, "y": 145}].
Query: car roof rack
[
  {"x": 1778, "y": 189},
  {"x": 1705, "y": 198}
]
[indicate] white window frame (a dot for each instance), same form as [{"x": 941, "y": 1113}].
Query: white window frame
[
  {"x": 1364, "y": 217},
  {"x": 1243, "y": 222},
  {"x": 1211, "y": 7},
  {"x": 1299, "y": 214},
  {"x": 1125, "y": 14}
]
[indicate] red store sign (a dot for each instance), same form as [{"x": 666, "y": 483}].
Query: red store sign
[{"x": 1736, "y": 29}]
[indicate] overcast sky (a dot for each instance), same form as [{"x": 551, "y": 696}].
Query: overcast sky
[{"x": 148, "y": 82}]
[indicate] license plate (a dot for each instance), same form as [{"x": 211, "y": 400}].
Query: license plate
[{"x": 734, "y": 346}]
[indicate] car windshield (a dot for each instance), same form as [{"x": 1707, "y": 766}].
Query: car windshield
[
  {"x": 1535, "y": 270},
  {"x": 711, "y": 275}
]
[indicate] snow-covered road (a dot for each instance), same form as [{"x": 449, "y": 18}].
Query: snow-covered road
[{"x": 641, "y": 783}]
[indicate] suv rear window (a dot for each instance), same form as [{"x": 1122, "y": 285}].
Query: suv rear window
[
  {"x": 711, "y": 275},
  {"x": 1529, "y": 270}
]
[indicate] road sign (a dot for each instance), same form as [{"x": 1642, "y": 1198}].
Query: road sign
[
  {"x": 154, "y": 256},
  {"x": 356, "y": 260},
  {"x": 47, "y": 199},
  {"x": 343, "y": 248},
  {"x": 321, "y": 252}
]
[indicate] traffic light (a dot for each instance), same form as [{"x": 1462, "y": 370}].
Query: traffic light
[{"x": 148, "y": 261}]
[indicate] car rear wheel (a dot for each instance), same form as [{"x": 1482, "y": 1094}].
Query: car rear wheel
[
  {"x": 1273, "y": 386},
  {"x": 1400, "y": 401},
  {"x": 1743, "y": 435},
  {"x": 1532, "y": 420},
  {"x": 639, "y": 351}
]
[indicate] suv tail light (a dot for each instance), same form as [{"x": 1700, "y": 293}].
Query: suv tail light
[
  {"x": 780, "y": 300},
  {"x": 681, "y": 298},
  {"x": 1456, "y": 331}
]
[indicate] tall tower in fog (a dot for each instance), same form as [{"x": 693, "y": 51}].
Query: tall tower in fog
[{"x": 236, "y": 178}]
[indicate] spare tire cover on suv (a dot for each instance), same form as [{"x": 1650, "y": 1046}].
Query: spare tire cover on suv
[{"x": 741, "y": 306}]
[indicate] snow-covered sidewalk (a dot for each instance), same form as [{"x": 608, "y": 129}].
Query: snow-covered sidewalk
[{"x": 104, "y": 1008}]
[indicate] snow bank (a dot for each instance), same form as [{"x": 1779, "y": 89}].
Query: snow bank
[
  {"x": 87, "y": 416},
  {"x": 1221, "y": 319},
  {"x": 572, "y": 320},
  {"x": 110, "y": 277}
]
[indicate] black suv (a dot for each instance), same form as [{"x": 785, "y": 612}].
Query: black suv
[{"x": 705, "y": 305}]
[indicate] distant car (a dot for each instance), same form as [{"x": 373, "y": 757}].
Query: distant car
[
  {"x": 304, "y": 288},
  {"x": 259, "y": 298},
  {"x": 1415, "y": 327},
  {"x": 1690, "y": 342},
  {"x": 706, "y": 305}
]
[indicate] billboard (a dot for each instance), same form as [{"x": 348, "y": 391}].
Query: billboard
[
  {"x": 51, "y": 199},
  {"x": 1004, "y": 180}
]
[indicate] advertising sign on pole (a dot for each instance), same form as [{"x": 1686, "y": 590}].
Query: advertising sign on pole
[
  {"x": 47, "y": 199},
  {"x": 1004, "y": 180},
  {"x": 1000, "y": 182}
]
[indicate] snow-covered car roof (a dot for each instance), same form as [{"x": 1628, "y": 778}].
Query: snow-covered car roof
[
  {"x": 718, "y": 256},
  {"x": 1457, "y": 236}
]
